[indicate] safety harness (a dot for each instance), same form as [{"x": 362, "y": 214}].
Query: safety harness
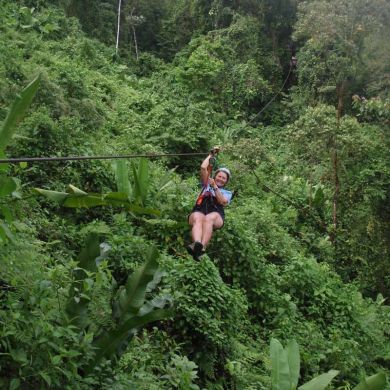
[{"x": 206, "y": 198}]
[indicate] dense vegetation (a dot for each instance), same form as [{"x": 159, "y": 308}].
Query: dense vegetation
[{"x": 304, "y": 253}]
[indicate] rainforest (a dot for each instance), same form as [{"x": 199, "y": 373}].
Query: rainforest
[{"x": 107, "y": 110}]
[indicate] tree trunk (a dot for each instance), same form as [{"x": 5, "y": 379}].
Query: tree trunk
[
  {"x": 134, "y": 34},
  {"x": 335, "y": 158},
  {"x": 119, "y": 23}
]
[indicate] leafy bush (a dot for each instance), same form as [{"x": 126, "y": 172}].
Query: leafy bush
[{"x": 204, "y": 318}]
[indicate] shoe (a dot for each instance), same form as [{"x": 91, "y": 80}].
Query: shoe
[
  {"x": 198, "y": 250},
  {"x": 195, "y": 249},
  {"x": 190, "y": 249}
]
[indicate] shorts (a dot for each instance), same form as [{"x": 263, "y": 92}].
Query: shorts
[{"x": 208, "y": 207}]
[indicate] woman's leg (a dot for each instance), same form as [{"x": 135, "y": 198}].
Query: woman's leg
[
  {"x": 196, "y": 221},
  {"x": 209, "y": 223}
]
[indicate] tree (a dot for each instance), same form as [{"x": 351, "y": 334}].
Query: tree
[{"x": 333, "y": 35}]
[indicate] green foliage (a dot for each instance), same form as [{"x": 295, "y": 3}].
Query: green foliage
[
  {"x": 335, "y": 33},
  {"x": 278, "y": 268},
  {"x": 181, "y": 374},
  {"x": 374, "y": 110},
  {"x": 203, "y": 315},
  {"x": 141, "y": 181},
  {"x": 71, "y": 345},
  {"x": 285, "y": 365},
  {"x": 17, "y": 112},
  {"x": 202, "y": 67},
  {"x": 319, "y": 382},
  {"x": 77, "y": 198},
  {"x": 38, "y": 347},
  {"x": 377, "y": 381},
  {"x": 122, "y": 179},
  {"x": 83, "y": 281},
  {"x": 132, "y": 310},
  {"x": 285, "y": 369},
  {"x": 10, "y": 185}
]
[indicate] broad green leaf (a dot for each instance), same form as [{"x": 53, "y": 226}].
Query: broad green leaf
[
  {"x": 136, "y": 188},
  {"x": 19, "y": 355},
  {"x": 80, "y": 201},
  {"x": 90, "y": 252},
  {"x": 143, "y": 178},
  {"x": 108, "y": 344},
  {"x": 14, "y": 384},
  {"x": 373, "y": 382},
  {"x": 46, "y": 377},
  {"x": 141, "y": 181},
  {"x": 17, "y": 112},
  {"x": 157, "y": 302},
  {"x": 74, "y": 190},
  {"x": 142, "y": 210},
  {"x": 320, "y": 382},
  {"x": 166, "y": 180},
  {"x": 6, "y": 213},
  {"x": 137, "y": 283},
  {"x": 76, "y": 199},
  {"x": 77, "y": 304},
  {"x": 119, "y": 199},
  {"x": 280, "y": 375},
  {"x": 156, "y": 280},
  {"x": 52, "y": 195},
  {"x": 5, "y": 233},
  {"x": 7, "y": 186},
  {"x": 292, "y": 350},
  {"x": 122, "y": 178}
]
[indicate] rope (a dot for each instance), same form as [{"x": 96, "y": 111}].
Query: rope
[
  {"x": 304, "y": 209},
  {"x": 288, "y": 200},
  {"x": 273, "y": 98},
  {"x": 127, "y": 156},
  {"x": 77, "y": 158}
]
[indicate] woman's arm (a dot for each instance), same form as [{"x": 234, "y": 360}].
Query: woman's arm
[
  {"x": 204, "y": 172},
  {"x": 221, "y": 199}
]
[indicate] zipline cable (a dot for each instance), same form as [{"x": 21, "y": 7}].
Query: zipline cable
[
  {"x": 273, "y": 98},
  {"x": 303, "y": 208},
  {"x": 160, "y": 155},
  {"x": 77, "y": 158},
  {"x": 128, "y": 156}
]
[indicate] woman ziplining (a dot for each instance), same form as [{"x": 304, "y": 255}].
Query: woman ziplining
[{"x": 208, "y": 213}]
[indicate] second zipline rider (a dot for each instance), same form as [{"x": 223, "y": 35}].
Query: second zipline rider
[{"x": 208, "y": 213}]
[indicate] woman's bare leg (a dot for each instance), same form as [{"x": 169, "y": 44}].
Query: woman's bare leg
[
  {"x": 196, "y": 221},
  {"x": 210, "y": 222}
]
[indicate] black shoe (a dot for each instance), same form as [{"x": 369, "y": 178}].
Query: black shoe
[
  {"x": 195, "y": 249},
  {"x": 190, "y": 249},
  {"x": 198, "y": 250}
]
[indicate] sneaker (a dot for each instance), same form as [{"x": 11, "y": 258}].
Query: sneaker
[
  {"x": 190, "y": 249},
  {"x": 195, "y": 249},
  {"x": 198, "y": 250}
]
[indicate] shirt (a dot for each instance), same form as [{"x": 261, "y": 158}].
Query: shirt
[{"x": 209, "y": 191}]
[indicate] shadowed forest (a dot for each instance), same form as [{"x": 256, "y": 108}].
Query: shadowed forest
[{"x": 97, "y": 290}]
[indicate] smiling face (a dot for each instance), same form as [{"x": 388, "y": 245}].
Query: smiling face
[{"x": 221, "y": 178}]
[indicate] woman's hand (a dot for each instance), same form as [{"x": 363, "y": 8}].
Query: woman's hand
[
  {"x": 212, "y": 183},
  {"x": 218, "y": 194}
]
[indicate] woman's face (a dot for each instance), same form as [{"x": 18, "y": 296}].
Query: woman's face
[{"x": 221, "y": 179}]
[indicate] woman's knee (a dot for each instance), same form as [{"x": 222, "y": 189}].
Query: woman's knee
[
  {"x": 215, "y": 220},
  {"x": 196, "y": 218}
]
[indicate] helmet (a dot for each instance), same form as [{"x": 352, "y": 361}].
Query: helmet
[{"x": 224, "y": 170}]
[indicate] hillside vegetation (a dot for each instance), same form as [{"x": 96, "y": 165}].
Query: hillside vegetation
[{"x": 97, "y": 290}]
